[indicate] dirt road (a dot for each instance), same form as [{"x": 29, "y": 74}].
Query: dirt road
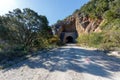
[{"x": 65, "y": 63}]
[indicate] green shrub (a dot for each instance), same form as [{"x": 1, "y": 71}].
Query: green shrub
[
  {"x": 107, "y": 40},
  {"x": 41, "y": 43},
  {"x": 55, "y": 40},
  {"x": 12, "y": 52},
  {"x": 107, "y": 46},
  {"x": 110, "y": 25},
  {"x": 93, "y": 39},
  {"x": 111, "y": 40},
  {"x": 83, "y": 39}
]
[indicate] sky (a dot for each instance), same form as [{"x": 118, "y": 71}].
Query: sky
[{"x": 53, "y": 9}]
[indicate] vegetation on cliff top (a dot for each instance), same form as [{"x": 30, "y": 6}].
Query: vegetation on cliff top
[{"x": 109, "y": 12}]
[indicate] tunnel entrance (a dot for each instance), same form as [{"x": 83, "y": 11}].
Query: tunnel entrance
[{"x": 69, "y": 39}]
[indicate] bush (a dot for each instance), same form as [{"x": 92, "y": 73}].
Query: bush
[
  {"x": 23, "y": 31},
  {"x": 111, "y": 40},
  {"x": 107, "y": 40},
  {"x": 110, "y": 25},
  {"x": 93, "y": 39},
  {"x": 55, "y": 40},
  {"x": 41, "y": 43},
  {"x": 83, "y": 39},
  {"x": 13, "y": 52}
]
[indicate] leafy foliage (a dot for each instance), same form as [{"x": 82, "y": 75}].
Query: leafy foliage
[
  {"x": 93, "y": 39},
  {"x": 109, "y": 12},
  {"x": 23, "y": 31},
  {"x": 23, "y": 27},
  {"x": 104, "y": 40}
]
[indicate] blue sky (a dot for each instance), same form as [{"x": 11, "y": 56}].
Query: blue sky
[{"x": 53, "y": 9}]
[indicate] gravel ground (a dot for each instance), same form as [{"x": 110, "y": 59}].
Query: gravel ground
[{"x": 65, "y": 63}]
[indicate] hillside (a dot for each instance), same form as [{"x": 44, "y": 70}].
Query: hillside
[
  {"x": 101, "y": 16},
  {"x": 106, "y": 11}
]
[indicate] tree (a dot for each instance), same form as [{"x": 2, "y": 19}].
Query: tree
[{"x": 23, "y": 26}]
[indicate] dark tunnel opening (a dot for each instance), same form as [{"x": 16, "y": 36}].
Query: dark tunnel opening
[{"x": 69, "y": 39}]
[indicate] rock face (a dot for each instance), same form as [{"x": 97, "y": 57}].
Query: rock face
[
  {"x": 86, "y": 25},
  {"x": 76, "y": 24}
]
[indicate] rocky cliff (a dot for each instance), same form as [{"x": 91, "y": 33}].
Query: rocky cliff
[
  {"x": 79, "y": 23},
  {"x": 92, "y": 16},
  {"x": 86, "y": 25}
]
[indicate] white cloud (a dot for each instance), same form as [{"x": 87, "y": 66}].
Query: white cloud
[{"x": 7, "y": 5}]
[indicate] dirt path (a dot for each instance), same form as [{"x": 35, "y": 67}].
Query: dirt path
[{"x": 66, "y": 63}]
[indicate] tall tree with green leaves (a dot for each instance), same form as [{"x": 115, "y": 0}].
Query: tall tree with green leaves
[{"x": 23, "y": 26}]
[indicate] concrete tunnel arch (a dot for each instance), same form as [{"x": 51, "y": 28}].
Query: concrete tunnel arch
[{"x": 68, "y": 37}]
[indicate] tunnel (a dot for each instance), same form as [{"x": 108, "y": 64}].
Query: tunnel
[{"x": 69, "y": 39}]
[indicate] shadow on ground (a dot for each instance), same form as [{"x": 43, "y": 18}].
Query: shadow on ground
[{"x": 76, "y": 59}]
